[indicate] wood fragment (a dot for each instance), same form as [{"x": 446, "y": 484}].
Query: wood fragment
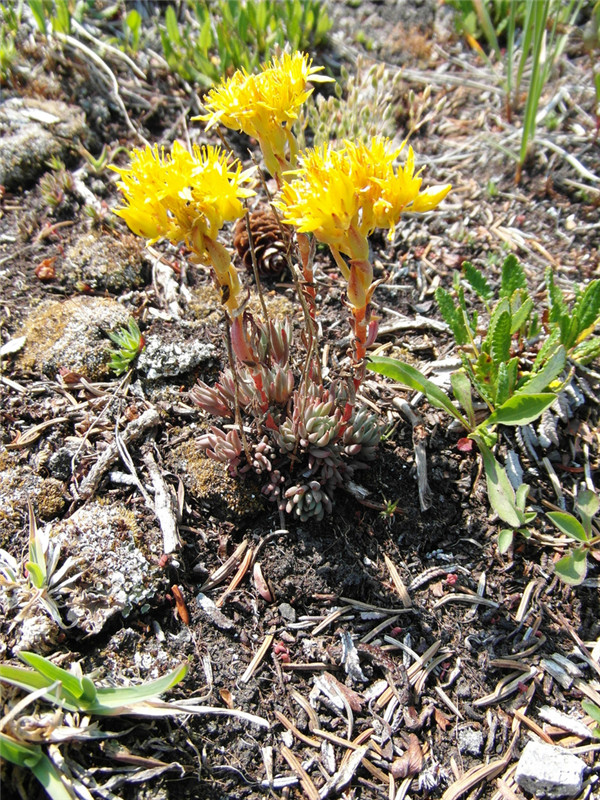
[
  {"x": 398, "y": 582},
  {"x": 305, "y": 779},
  {"x": 149, "y": 419},
  {"x": 164, "y": 505},
  {"x": 258, "y": 657}
]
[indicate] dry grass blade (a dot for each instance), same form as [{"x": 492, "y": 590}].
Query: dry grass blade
[
  {"x": 237, "y": 578},
  {"x": 307, "y": 784},
  {"x": 506, "y": 687},
  {"x": 345, "y": 773},
  {"x": 225, "y": 569},
  {"x": 533, "y": 725},
  {"x": 31, "y": 435},
  {"x": 298, "y": 734},
  {"x": 360, "y": 606},
  {"x": 398, "y": 582},
  {"x": 466, "y": 598},
  {"x": 339, "y": 612},
  {"x": 258, "y": 657},
  {"x": 476, "y": 775},
  {"x": 313, "y": 720}
]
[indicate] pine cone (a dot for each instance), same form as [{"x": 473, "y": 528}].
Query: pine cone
[{"x": 270, "y": 242}]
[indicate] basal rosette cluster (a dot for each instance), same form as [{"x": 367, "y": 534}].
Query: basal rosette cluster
[{"x": 265, "y": 105}]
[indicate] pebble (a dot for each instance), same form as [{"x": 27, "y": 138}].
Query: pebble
[
  {"x": 470, "y": 741},
  {"x": 549, "y": 771},
  {"x": 287, "y": 612}
]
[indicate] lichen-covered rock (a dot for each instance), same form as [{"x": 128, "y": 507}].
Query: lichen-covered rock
[
  {"x": 18, "y": 484},
  {"x": 210, "y": 484},
  {"x": 31, "y": 132},
  {"x": 71, "y": 334},
  {"x": 161, "y": 359},
  {"x": 105, "y": 263},
  {"x": 120, "y": 563}
]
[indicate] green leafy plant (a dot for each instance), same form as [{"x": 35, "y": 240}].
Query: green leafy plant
[
  {"x": 25, "y": 741},
  {"x": 130, "y": 343},
  {"x": 594, "y": 711},
  {"x": 39, "y": 581},
  {"x": 213, "y": 40},
  {"x": 517, "y": 363},
  {"x": 572, "y": 568}
]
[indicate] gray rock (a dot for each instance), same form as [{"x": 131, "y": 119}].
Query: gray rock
[
  {"x": 73, "y": 335},
  {"x": 31, "y": 132},
  {"x": 549, "y": 771},
  {"x": 120, "y": 563},
  {"x": 105, "y": 263},
  {"x": 161, "y": 359},
  {"x": 470, "y": 741},
  {"x": 287, "y": 612}
]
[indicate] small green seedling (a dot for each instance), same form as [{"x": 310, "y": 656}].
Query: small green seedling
[
  {"x": 130, "y": 342},
  {"x": 594, "y": 711},
  {"x": 572, "y": 568}
]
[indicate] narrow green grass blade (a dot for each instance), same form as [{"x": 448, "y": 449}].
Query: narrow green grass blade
[
  {"x": 109, "y": 699},
  {"x": 70, "y": 682}
]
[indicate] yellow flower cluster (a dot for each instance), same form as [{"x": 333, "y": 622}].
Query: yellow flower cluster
[
  {"x": 343, "y": 195},
  {"x": 182, "y": 196},
  {"x": 187, "y": 197},
  {"x": 265, "y": 105}
]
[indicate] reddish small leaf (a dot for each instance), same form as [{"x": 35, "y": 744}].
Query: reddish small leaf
[{"x": 464, "y": 445}]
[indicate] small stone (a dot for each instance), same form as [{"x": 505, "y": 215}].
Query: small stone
[
  {"x": 470, "y": 741},
  {"x": 161, "y": 359},
  {"x": 32, "y": 132},
  {"x": 287, "y": 612},
  {"x": 549, "y": 771}
]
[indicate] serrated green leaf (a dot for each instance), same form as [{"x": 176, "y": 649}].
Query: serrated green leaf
[
  {"x": 413, "y": 379},
  {"x": 566, "y": 523},
  {"x": 572, "y": 568},
  {"x": 520, "y": 409},
  {"x": 556, "y": 301},
  {"x": 451, "y": 315},
  {"x": 587, "y": 351},
  {"x": 521, "y": 315},
  {"x": 549, "y": 372},
  {"x": 587, "y": 307},
  {"x": 513, "y": 277},
  {"x": 500, "y": 339},
  {"x": 505, "y": 540},
  {"x": 502, "y": 385},
  {"x": 477, "y": 281}
]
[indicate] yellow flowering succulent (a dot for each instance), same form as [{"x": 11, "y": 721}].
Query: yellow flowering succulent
[
  {"x": 265, "y": 105},
  {"x": 186, "y": 197},
  {"x": 341, "y": 197}
]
